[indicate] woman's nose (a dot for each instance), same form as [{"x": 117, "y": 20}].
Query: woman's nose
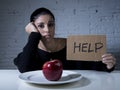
[{"x": 47, "y": 29}]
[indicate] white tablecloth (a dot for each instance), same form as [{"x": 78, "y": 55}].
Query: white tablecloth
[{"x": 91, "y": 80}]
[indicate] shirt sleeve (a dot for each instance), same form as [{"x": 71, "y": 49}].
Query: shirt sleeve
[
  {"x": 91, "y": 65},
  {"x": 24, "y": 60},
  {"x": 99, "y": 66}
]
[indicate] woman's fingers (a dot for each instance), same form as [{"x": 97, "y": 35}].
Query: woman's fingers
[
  {"x": 109, "y": 60},
  {"x": 30, "y": 27}
]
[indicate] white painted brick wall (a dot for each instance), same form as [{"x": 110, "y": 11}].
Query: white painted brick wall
[{"x": 72, "y": 17}]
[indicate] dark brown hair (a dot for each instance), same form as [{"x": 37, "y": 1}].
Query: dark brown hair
[{"x": 40, "y": 11}]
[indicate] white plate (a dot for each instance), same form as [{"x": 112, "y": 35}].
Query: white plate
[{"x": 37, "y": 77}]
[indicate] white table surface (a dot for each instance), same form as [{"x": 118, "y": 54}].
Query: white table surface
[{"x": 92, "y": 80}]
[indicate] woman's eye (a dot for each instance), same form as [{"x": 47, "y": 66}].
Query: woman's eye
[
  {"x": 51, "y": 25},
  {"x": 41, "y": 26}
]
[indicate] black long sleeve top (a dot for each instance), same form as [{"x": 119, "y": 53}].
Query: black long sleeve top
[{"x": 33, "y": 58}]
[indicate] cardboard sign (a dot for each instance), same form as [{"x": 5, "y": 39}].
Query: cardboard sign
[{"x": 86, "y": 47}]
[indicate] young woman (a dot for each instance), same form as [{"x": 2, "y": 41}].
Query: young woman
[{"x": 42, "y": 47}]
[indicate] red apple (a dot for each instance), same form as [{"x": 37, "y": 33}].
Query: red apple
[{"x": 52, "y": 70}]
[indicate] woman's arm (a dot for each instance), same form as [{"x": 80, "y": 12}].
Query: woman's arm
[{"x": 26, "y": 59}]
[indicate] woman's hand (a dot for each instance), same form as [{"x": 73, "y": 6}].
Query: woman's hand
[
  {"x": 30, "y": 27},
  {"x": 109, "y": 60}
]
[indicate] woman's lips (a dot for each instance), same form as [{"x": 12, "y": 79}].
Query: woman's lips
[{"x": 47, "y": 36}]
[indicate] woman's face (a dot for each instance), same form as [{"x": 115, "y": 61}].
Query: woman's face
[{"x": 46, "y": 26}]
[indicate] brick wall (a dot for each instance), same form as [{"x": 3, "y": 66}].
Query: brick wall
[{"x": 72, "y": 17}]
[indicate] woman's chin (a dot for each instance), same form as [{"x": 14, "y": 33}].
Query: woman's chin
[{"x": 48, "y": 38}]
